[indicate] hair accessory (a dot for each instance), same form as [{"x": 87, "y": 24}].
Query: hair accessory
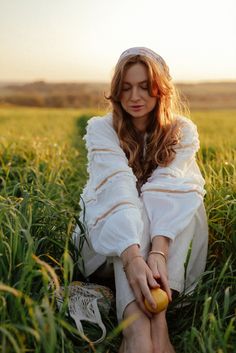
[
  {"x": 129, "y": 262},
  {"x": 142, "y": 51},
  {"x": 158, "y": 252}
]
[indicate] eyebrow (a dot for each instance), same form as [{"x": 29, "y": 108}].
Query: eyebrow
[{"x": 128, "y": 83}]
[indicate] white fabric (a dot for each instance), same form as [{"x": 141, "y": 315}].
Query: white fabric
[
  {"x": 118, "y": 195},
  {"x": 170, "y": 204},
  {"x": 171, "y": 196},
  {"x": 142, "y": 51},
  {"x": 182, "y": 277}
]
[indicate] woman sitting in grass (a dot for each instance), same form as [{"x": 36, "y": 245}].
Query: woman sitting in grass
[{"x": 143, "y": 201}]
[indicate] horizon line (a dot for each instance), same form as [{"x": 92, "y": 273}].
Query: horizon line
[{"x": 7, "y": 82}]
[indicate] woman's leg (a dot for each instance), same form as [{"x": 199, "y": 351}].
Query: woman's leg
[
  {"x": 145, "y": 335},
  {"x": 160, "y": 335},
  {"x": 137, "y": 335}
]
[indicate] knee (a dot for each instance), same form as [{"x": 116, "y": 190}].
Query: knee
[
  {"x": 137, "y": 321},
  {"x": 139, "y": 327}
]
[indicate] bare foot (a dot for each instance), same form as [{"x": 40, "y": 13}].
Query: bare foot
[{"x": 160, "y": 336}]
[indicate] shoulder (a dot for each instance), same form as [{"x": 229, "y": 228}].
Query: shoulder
[
  {"x": 188, "y": 133},
  {"x": 100, "y": 121},
  {"x": 100, "y": 130},
  {"x": 101, "y": 124},
  {"x": 185, "y": 123}
]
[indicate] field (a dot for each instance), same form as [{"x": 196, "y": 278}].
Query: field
[
  {"x": 207, "y": 95},
  {"x": 42, "y": 173}
]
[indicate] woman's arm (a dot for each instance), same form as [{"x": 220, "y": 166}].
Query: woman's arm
[
  {"x": 161, "y": 243},
  {"x": 110, "y": 202},
  {"x": 173, "y": 194},
  {"x": 139, "y": 275},
  {"x": 157, "y": 261}
]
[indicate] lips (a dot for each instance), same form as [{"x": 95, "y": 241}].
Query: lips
[{"x": 136, "y": 108}]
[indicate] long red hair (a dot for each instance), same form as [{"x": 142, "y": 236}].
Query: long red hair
[{"x": 162, "y": 129}]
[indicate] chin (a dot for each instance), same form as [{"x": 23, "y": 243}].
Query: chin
[{"x": 138, "y": 113}]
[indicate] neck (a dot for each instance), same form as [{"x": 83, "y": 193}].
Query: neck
[{"x": 140, "y": 125}]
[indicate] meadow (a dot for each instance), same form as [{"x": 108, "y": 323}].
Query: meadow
[{"x": 42, "y": 173}]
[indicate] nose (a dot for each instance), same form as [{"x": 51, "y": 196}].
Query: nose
[{"x": 134, "y": 94}]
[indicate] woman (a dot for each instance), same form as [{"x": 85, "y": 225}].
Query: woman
[{"x": 143, "y": 202}]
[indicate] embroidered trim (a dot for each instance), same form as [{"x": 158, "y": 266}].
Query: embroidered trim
[
  {"x": 102, "y": 149},
  {"x": 107, "y": 178},
  {"x": 187, "y": 146},
  {"x": 174, "y": 191},
  {"x": 167, "y": 174},
  {"x": 111, "y": 209}
]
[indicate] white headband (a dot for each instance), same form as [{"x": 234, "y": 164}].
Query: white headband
[{"x": 142, "y": 51}]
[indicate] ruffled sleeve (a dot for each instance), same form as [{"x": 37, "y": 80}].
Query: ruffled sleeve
[
  {"x": 110, "y": 199},
  {"x": 173, "y": 194}
]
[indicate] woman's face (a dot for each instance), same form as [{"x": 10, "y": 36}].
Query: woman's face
[{"x": 135, "y": 98}]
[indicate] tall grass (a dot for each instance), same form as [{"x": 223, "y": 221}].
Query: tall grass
[{"x": 42, "y": 173}]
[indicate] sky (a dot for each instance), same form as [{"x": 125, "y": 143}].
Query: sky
[{"x": 81, "y": 40}]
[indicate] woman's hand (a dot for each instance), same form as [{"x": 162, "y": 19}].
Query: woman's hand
[
  {"x": 141, "y": 279},
  {"x": 158, "y": 263},
  {"x": 139, "y": 276},
  {"x": 158, "y": 266}
]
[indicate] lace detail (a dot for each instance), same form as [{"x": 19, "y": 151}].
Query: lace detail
[{"x": 84, "y": 302}]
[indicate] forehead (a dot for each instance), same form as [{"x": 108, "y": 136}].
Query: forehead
[{"x": 136, "y": 73}]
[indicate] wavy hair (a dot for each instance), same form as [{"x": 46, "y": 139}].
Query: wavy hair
[{"x": 163, "y": 131}]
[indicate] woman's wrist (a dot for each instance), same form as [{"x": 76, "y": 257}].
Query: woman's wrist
[
  {"x": 125, "y": 266},
  {"x": 160, "y": 244},
  {"x": 129, "y": 253},
  {"x": 158, "y": 252}
]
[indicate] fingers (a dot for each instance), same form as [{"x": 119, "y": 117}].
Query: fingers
[
  {"x": 141, "y": 278},
  {"x": 155, "y": 272},
  {"x": 166, "y": 287},
  {"x": 152, "y": 263},
  {"x": 152, "y": 281},
  {"x": 141, "y": 287},
  {"x": 159, "y": 271},
  {"x": 140, "y": 301},
  {"x": 147, "y": 294}
]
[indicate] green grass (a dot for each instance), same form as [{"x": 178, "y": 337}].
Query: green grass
[
  {"x": 42, "y": 173},
  {"x": 216, "y": 127}
]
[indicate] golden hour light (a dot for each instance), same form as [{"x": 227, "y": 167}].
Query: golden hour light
[
  {"x": 80, "y": 40},
  {"x": 117, "y": 176}
]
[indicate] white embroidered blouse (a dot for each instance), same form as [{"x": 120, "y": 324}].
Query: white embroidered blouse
[{"x": 110, "y": 200}]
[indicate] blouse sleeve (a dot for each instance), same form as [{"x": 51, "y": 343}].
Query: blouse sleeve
[
  {"x": 173, "y": 194},
  {"x": 110, "y": 198}
]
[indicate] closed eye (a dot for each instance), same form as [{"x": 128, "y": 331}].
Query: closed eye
[{"x": 128, "y": 88}]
